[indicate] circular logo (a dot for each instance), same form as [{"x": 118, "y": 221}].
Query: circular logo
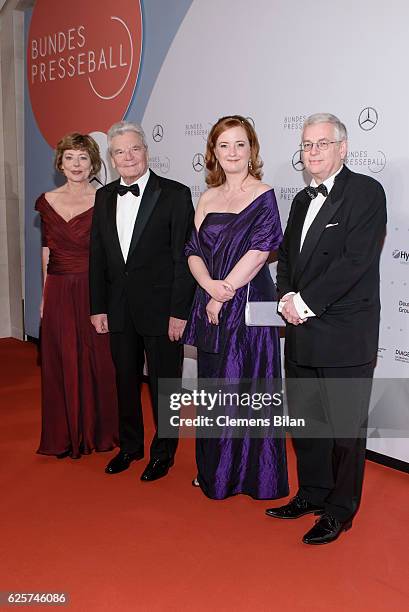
[
  {"x": 82, "y": 64},
  {"x": 368, "y": 118},
  {"x": 297, "y": 161},
  {"x": 378, "y": 163},
  {"x": 157, "y": 133},
  {"x": 159, "y": 164},
  {"x": 165, "y": 165},
  {"x": 198, "y": 162},
  {"x": 205, "y": 133}
]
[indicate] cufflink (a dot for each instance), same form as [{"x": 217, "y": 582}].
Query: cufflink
[{"x": 305, "y": 311}]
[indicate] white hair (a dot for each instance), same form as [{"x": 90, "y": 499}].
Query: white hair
[
  {"x": 339, "y": 128},
  {"x": 121, "y": 128}
]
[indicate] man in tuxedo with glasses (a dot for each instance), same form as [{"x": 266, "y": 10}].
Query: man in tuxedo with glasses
[
  {"x": 141, "y": 288},
  {"x": 328, "y": 282}
]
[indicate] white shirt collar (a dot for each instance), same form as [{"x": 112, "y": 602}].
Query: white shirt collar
[{"x": 142, "y": 181}]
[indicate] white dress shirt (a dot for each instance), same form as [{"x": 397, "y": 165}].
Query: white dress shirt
[
  {"x": 304, "y": 312},
  {"x": 127, "y": 208}
]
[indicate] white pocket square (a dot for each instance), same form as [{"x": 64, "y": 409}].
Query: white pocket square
[{"x": 331, "y": 225}]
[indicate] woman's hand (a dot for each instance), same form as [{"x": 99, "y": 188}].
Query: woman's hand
[
  {"x": 212, "y": 310},
  {"x": 220, "y": 290}
]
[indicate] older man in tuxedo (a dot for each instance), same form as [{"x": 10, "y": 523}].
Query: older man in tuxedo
[
  {"x": 141, "y": 288},
  {"x": 328, "y": 281}
]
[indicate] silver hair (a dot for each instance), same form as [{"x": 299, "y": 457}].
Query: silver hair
[
  {"x": 121, "y": 128},
  {"x": 339, "y": 128}
]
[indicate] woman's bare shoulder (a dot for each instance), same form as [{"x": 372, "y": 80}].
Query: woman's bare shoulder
[
  {"x": 262, "y": 188},
  {"x": 53, "y": 194}
]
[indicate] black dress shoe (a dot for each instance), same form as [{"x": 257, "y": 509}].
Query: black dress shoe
[
  {"x": 156, "y": 468},
  {"x": 122, "y": 461},
  {"x": 296, "y": 507},
  {"x": 326, "y": 530}
]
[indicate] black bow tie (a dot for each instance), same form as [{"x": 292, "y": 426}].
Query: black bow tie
[
  {"x": 123, "y": 189},
  {"x": 314, "y": 191}
]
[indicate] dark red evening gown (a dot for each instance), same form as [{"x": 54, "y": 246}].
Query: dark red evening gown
[{"x": 79, "y": 405}]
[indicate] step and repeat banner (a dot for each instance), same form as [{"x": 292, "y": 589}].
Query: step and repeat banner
[{"x": 175, "y": 67}]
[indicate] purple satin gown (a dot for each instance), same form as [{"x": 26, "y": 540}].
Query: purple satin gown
[{"x": 227, "y": 466}]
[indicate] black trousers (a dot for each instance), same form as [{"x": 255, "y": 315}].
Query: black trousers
[
  {"x": 164, "y": 359},
  {"x": 331, "y": 448}
]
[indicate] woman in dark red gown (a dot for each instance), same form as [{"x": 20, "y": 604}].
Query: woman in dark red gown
[{"x": 79, "y": 406}]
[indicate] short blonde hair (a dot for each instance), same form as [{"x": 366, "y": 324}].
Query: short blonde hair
[{"x": 79, "y": 142}]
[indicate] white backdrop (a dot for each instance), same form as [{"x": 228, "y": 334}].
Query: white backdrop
[{"x": 278, "y": 62}]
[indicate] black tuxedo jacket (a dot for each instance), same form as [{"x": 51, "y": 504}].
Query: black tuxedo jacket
[
  {"x": 155, "y": 282},
  {"x": 336, "y": 273}
]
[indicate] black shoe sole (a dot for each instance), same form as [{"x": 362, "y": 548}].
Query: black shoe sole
[{"x": 292, "y": 518}]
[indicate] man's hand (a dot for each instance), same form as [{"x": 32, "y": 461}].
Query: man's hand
[
  {"x": 289, "y": 311},
  {"x": 100, "y": 322},
  {"x": 212, "y": 310},
  {"x": 220, "y": 290},
  {"x": 176, "y": 328}
]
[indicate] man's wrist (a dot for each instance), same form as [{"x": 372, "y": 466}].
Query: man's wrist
[
  {"x": 283, "y": 301},
  {"x": 303, "y": 310}
]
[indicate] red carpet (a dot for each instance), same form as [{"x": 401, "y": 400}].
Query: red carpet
[{"x": 115, "y": 543}]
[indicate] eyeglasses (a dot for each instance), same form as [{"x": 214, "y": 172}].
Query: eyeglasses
[
  {"x": 122, "y": 152},
  {"x": 322, "y": 145}
]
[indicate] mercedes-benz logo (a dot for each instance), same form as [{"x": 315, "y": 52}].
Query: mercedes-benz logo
[
  {"x": 157, "y": 132},
  {"x": 198, "y": 162},
  {"x": 297, "y": 161},
  {"x": 368, "y": 118}
]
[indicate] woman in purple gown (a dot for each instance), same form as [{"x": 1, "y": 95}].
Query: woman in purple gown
[
  {"x": 237, "y": 224},
  {"x": 79, "y": 406}
]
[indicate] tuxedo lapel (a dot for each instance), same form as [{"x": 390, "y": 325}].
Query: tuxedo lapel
[
  {"x": 149, "y": 199},
  {"x": 300, "y": 210},
  {"x": 111, "y": 215},
  {"x": 325, "y": 214}
]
